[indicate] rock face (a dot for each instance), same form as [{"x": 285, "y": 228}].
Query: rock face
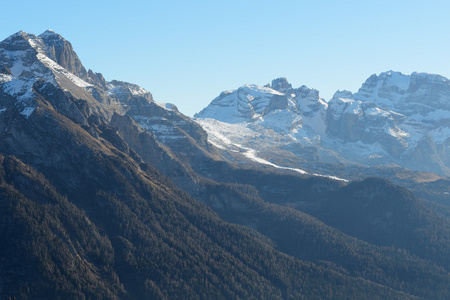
[
  {"x": 389, "y": 120},
  {"x": 354, "y": 120},
  {"x": 61, "y": 51}
]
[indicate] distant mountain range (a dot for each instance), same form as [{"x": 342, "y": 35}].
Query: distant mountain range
[
  {"x": 393, "y": 119},
  {"x": 107, "y": 194}
]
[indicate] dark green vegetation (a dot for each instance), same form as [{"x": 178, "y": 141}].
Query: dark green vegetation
[
  {"x": 139, "y": 237},
  {"x": 404, "y": 266}
]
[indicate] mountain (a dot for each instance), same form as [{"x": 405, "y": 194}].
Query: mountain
[
  {"x": 394, "y": 119},
  {"x": 106, "y": 193}
]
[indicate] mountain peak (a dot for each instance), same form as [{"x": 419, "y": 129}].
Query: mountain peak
[
  {"x": 391, "y": 73},
  {"x": 281, "y": 84},
  {"x": 49, "y": 32},
  {"x": 429, "y": 76},
  {"x": 393, "y": 76},
  {"x": 20, "y": 35},
  {"x": 19, "y": 41},
  {"x": 342, "y": 94},
  {"x": 61, "y": 51},
  {"x": 51, "y": 35}
]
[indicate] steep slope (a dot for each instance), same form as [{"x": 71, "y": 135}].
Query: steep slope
[{"x": 52, "y": 245}]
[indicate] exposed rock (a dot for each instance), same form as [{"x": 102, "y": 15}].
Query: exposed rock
[
  {"x": 61, "y": 51},
  {"x": 281, "y": 84},
  {"x": 97, "y": 79},
  {"x": 5, "y": 70}
]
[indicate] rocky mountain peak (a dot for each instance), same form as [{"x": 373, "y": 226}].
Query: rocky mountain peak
[
  {"x": 17, "y": 41},
  {"x": 389, "y": 85},
  {"x": 343, "y": 94},
  {"x": 281, "y": 84},
  {"x": 24, "y": 51},
  {"x": 51, "y": 57},
  {"x": 51, "y": 35},
  {"x": 391, "y": 74},
  {"x": 61, "y": 51},
  {"x": 18, "y": 35}
]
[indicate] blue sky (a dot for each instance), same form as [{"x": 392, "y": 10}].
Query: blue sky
[{"x": 187, "y": 52}]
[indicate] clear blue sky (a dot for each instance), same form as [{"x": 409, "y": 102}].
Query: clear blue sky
[{"x": 187, "y": 52}]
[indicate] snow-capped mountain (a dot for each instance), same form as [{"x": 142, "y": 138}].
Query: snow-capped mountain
[{"x": 393, "y": 119}]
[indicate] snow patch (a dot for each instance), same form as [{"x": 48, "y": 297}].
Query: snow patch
[
  {"x": 166, "y": 106},
  {"x": 56, "y": 68},
  {"x": 137, "y": 90},
  {"x": 153, "y": 125},
  {"x": 123, "y": 88},
  {"x": 5, "y": 78},
  {"x": 251, "y": 154},
  {"x": 280, "y": 120},
  {"x": 397, "y": 132},
  {"x": 20, "y": 88},
  {"x": 27, "y": 111},
  {"x": 375, "y": 111}
]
